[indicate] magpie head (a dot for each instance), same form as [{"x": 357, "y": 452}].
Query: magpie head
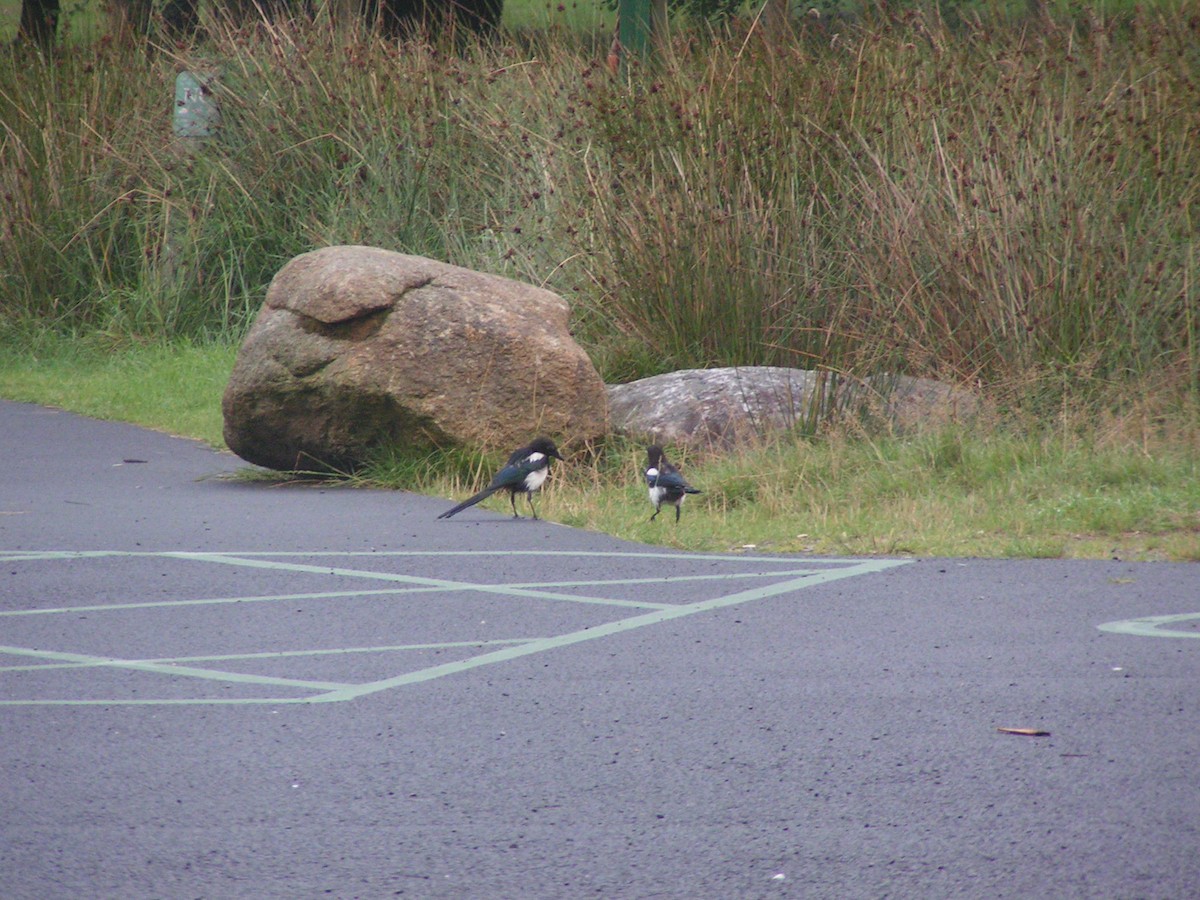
[
  {"x": 654, "y": 456},
  {"x": 545, "y": 446}
]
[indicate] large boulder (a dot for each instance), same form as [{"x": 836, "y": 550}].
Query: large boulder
[
  {"x": 358, "y": 347},
  {"x": 727, "y": 407}
]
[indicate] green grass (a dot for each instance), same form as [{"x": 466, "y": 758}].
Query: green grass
[
  {"x": 175, "y": 388},
  {"x": 1094, "y": 489}
]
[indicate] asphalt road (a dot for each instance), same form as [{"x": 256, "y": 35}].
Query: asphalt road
[{"x": 213, "y": 688}]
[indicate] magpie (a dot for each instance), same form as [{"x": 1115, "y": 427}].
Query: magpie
[
  {"x": 524, "y": 473},
  {"x": 665, "y": 483}
]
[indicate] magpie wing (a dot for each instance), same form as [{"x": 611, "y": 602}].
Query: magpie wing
[
  {"x": 669, "y": 480},
  {"x": 520, "y": 464}
]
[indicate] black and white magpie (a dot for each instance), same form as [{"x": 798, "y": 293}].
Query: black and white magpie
[
  {"x": 524, "y": 473},
  {"x": 665, "y": 483}
]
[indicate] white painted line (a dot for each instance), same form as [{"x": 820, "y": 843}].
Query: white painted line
[
  {"x": 17, "y": 555},
  {"x": 212, "y": 601},
  {"x": 1151, "y": 626},
  {"x": 438, "y": 583},
  {"x": 794, "y": 579},
  {"x": 171, "y": 669},
  {"x": 667, "y": 579},
  {"x": 606, "y": 629},
  {"x": 273, "y": 654}
]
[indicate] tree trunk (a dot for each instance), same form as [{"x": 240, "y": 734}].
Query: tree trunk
[
  {"x": 39, "y": 22},
  {"x": 181, "y": 18}
]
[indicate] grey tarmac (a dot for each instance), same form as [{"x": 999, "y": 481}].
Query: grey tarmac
[{"x": 218, "y": 688}]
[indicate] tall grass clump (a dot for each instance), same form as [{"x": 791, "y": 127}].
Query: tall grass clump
[
  {"x": 109, "y": 224},
  {"x": 327, "y": 136},
  {"x": 984, "y": 204},
  {"x": 1006, "y": 203}
]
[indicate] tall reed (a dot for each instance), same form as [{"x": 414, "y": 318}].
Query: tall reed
[{"x": 996, "y": 203}]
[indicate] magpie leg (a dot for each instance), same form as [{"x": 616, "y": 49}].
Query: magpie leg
[
  {"x": 657, "y": 510},
  {"x": 676, "y": 515},
  {"x": 512, "y": 498},
  {"x": 532, "y": 508}
]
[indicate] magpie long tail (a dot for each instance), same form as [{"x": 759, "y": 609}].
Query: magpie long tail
[{"x": 482, "y": 495}]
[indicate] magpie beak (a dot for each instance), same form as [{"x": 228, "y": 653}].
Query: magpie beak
[
  {"x": 665, "y": 483},
  {"x": 524, "y": 473}
]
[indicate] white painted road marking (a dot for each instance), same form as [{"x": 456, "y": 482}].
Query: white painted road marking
[
  {"x": 786, "y": 575},
  {"x": 1151, "y": 626}
]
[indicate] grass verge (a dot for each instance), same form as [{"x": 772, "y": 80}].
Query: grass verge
[
  {"x": 175, "y": 388},
  {"x": 1085, "y": 486}
]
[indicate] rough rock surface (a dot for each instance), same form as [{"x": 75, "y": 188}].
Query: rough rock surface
[
  {"x": 357, "y": 347},
  {"x": 730, "y": 406}
]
